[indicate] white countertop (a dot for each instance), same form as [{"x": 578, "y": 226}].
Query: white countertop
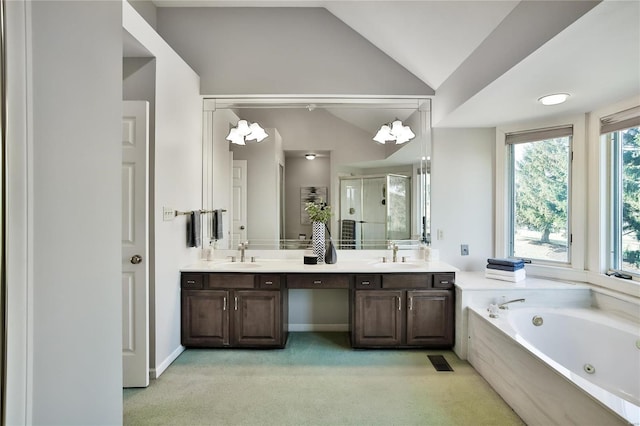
[
  {"x": 477, "y": 281},
  {"x": 369, "y": 266}
]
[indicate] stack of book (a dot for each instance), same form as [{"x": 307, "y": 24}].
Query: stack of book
[{"x": 505, "y": 269}]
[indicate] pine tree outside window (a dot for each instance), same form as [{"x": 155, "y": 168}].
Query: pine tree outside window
[{"x": 539, "y": 194}]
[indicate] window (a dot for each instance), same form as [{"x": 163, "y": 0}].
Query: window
[
  {"x": 621, "y": 135},
  {"x": 539, "y": 181}
]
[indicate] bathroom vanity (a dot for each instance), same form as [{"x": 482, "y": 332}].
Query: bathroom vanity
[{"x": 227, "y": 304}]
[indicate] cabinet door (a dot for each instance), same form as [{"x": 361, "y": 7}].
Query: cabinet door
[
  {"x": 378, "y": 318},
  {"x": 430, "y": 318},
  {"x": 257, "y": 319},
  {"x": 205, "y": 318}
]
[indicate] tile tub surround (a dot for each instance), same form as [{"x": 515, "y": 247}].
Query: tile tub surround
[
  {"x": 474, "y": 290},
  {"x": 536, "y": 390}
]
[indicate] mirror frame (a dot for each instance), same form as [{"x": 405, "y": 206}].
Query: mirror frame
[{"x": 420, "y": 104}]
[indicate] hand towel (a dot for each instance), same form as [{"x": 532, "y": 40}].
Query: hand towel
[
  {"x": 193, "y": 229},
  {"x": 506, "y": 262},
  {"x": 216, "y": 225},
  {"x": 505, "y": 267}
]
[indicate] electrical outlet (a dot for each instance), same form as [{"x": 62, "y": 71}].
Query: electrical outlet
[
  {"x": 440, "y": 234},
  {"x": 464, "y": 249},
  {"x": 168, "y": 214}
]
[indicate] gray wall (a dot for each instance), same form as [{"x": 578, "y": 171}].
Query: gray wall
[
  {"x": 281, "y": 51},
  {"x": 300, "y": 172},
  {"x": 462, "y": 195}
]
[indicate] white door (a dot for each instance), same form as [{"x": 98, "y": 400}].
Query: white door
[
  {"x": 135, "y": 244},
  {"x": 239, "y": 190}
]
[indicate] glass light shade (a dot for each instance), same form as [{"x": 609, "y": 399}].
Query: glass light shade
[
  {"x": 310, "y": 156},
  {"x": 235, "y": 137},
  {"x": 257, "y": 133},
  {"x": 243, "y": 128},
  {"x": 407, "y": 133},
  {"x": 396, "y": 128},
  {"x": 383, "y": 135}
]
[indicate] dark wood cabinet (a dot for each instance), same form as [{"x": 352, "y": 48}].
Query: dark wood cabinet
[
  {"x": 429, "y": 318},
  {"x": 233, "y": 311},
  {"x": 224, "y": 309},
  {"x": 403, "y": 315},
  {"x": 377, "y": 318}
]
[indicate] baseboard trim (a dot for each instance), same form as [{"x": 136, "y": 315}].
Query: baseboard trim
[
  {"x": 154, "y": 373},
  {"x": 319, "y": 327}
]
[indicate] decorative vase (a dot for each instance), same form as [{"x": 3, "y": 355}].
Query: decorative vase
[{"x": 318, "y": 241}]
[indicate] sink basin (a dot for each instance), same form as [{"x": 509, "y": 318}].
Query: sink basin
[
  {"x": 237, "y": 265},
  {"x": 397, "y": 265}
]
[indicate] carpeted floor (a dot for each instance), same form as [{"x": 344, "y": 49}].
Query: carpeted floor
[{"x": 317, "y": 380}]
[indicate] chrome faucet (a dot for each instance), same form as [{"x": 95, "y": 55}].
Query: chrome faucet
[
  {"x": 503, "y": 305},
  {"x": 242, "y": 247},
  {"x": 393, "y": 246}
]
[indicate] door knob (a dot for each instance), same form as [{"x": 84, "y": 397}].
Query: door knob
[
  {"x": 241, "y": 226},
  {"x": 135, "y": 259}
]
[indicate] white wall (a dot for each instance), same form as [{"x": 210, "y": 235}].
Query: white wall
[
  {"x": 462, "y": 195},
  {"x": 177, "y": 176},
  {"x": 282, "y": 51},
  {"x": 67, "y": 220}
]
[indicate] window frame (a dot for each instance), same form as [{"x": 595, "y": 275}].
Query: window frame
[
  {"x": 612, "y": 149},
  {"x": 537, "y": 135},
  {"x": 577, "y": 209}
]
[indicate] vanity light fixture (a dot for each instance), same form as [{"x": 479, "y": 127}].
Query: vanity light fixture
[
  {"x": 395, "y": 132},
  {"x": 246, "y": 132},
  {"x": 310, "y": 156},
  {"x": 554, "y": 99}
]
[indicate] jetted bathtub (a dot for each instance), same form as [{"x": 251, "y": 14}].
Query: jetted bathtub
[{"x": 560, "y": 366}]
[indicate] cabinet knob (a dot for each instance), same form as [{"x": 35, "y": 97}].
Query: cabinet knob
[
  {"x": 364, "y": 283},
  {"x": 135, "y": 259},
  {"x": 268, "y": 282},
  {"x": 317, "y": 281}
]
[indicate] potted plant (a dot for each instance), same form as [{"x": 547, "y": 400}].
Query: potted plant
[{"x": 319, "y": 214}]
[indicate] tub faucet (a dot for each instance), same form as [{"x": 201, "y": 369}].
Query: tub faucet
[
  {"x": 242, "y": 247},
  {"x": 503, "y": 305},
  {"x": 394, "y": 247}
]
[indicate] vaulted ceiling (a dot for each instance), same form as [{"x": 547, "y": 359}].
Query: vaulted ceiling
[{"x": 489, "y": 61}]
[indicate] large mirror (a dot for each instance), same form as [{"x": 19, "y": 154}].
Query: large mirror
[{"x": 378, "y": 192}]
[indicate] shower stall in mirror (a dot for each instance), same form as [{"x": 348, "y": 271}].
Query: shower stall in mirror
[{"x": 374, "y": 210}]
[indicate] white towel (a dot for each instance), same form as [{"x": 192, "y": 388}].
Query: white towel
[{"x": 514, "y": 276}]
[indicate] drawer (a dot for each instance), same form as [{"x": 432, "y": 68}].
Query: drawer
[
  {"x": 269, "y": 281},
  {"x": 318, "y": 281},
  {"x": 231, "y": 281},
  {"x": 190, "y": 281},
  {"x": 364, "y": 282},
  {"x": 446, "y": 280},
  {"x": 406, "y": 281}
]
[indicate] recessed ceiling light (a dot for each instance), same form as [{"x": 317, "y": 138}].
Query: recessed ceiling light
[
  {"x": 310, "y": 156},
  {"x": 555, "y": 99}
]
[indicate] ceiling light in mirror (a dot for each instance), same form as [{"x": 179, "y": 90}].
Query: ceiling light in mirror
[
  {"x": 246, "y": 132},
  {"x": 394, "y": 132}
]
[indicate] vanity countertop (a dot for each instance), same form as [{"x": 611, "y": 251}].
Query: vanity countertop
[{"x": 368, "y": 266}]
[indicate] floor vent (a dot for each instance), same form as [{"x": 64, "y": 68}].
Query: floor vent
[{"x": 439, "y": 363}]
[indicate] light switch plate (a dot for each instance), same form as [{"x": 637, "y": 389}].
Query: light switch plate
[
  {"x": 464, "y": 249},
  {"x": 168, "y": 214}
]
